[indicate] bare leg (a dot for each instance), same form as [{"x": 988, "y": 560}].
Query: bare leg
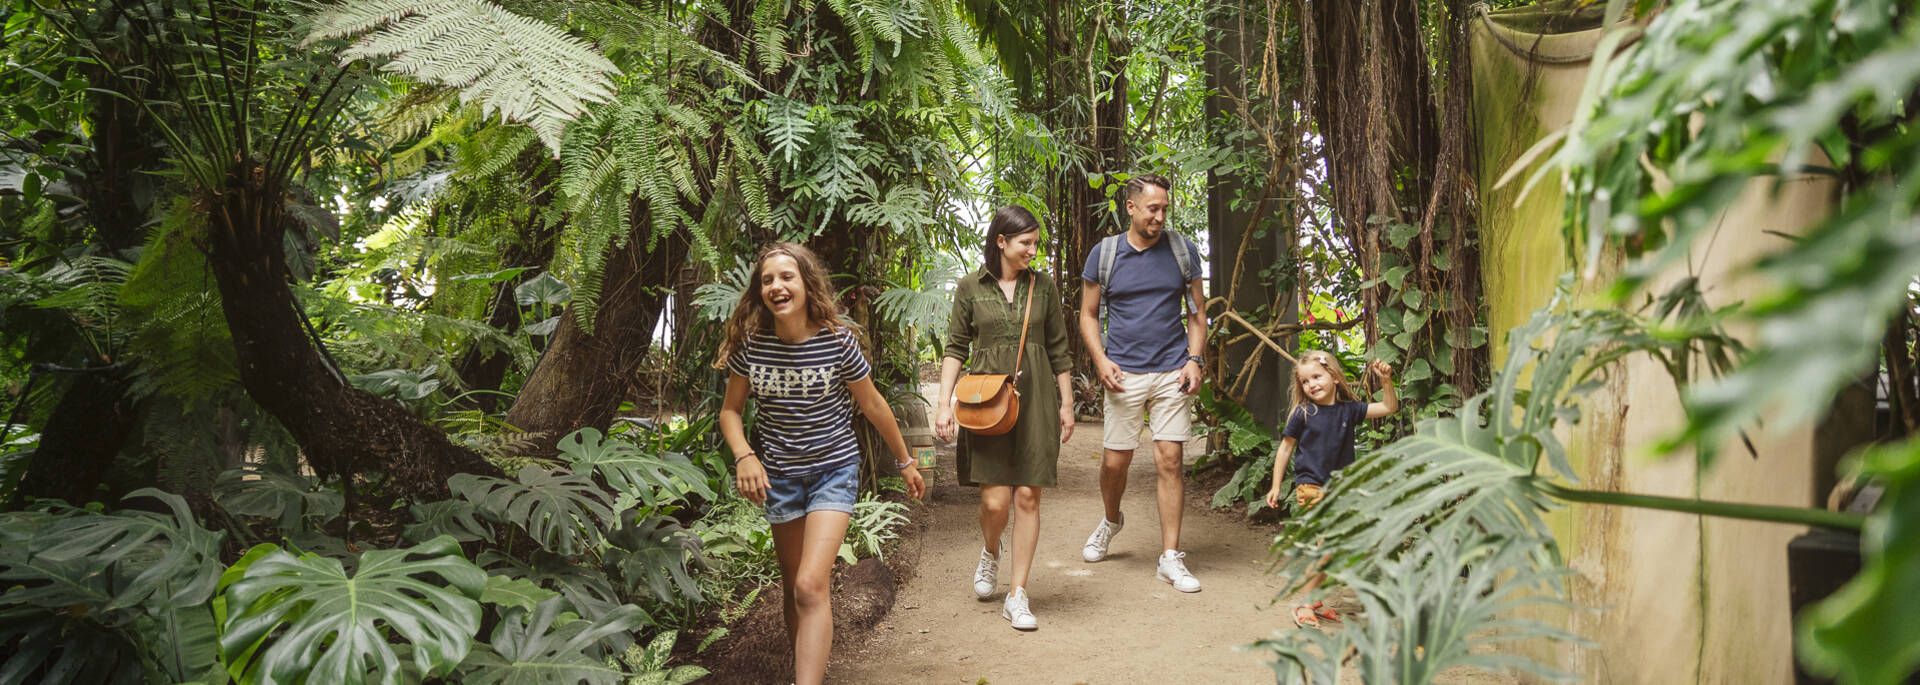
[
  {"x": 1026, "y": 531},
  {"x": 1113, "y": 480},
  {"x": 788, "y": 539},
  {"x": 993, "y": 515},
  {"x": 1172, "y": 492},
  {"x": 810, "y": 587}
]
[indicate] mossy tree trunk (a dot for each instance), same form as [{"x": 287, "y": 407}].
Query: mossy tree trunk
[{"x": 343, "y": 430}]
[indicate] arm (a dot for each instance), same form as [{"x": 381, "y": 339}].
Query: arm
[
  {"x": 1108, "y": 372},
  {"x": 1059, "y": 359},
  {"x": 749, "y": 475},
  {"x": 959, "y": 346},
  {"x": 1282, "y": 458},
  {"x": 1389, "y": 404},
  {"x": 874, "y": 407},
  {"x": 1191, "y": 374},
  {"x": 1065, "y": 380},
  {"x": 943, "y": 401}
]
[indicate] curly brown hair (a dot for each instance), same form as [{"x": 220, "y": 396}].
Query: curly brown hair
[{"x": 751, "y": 316}]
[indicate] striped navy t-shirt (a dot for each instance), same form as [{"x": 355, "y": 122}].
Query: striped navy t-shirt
[{"x": 805, "y": 416}]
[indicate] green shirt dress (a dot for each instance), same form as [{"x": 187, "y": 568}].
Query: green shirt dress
[{"x": 984, "y": 334}]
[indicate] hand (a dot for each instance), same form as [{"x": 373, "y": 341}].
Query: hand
[
  {"x": 916, "y": 485},
  {"x": 1383, "y": 370},
  {"x": 1190, "y": 377},
  {"x": 1066, "y": 422},
  {"x": 943, "y": 424},
  {"x": 1273, "y": 497},
  {"x": 1110, "y": 373},
  {"x": 751, "y": 478}
]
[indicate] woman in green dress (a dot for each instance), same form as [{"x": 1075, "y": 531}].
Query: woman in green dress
[{"x": 984, "y": 334}]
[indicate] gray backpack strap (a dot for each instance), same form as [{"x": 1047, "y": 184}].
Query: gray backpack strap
[
  {"x": 1105, "y": 253},
  {"x": 1186, "y": 254}
]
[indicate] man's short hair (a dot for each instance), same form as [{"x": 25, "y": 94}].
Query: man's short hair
[{"x": 1139, "y": 182}]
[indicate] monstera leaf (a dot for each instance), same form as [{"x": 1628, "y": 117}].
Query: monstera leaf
[
  {"x": 304, "y": 619},
  {"x": 566, "y": 513},
  {"x": 94, "y": 598},
  {"x": 457, "y": 518},
  {"x": 116, "y": 561},
  {"x": 653, "y": 479},
  {"x": 288, "y": 499},
  {"x": 57, "y": 648},
  {"x": 655, "y": 555},
  {"x": 528, "y": 649}
]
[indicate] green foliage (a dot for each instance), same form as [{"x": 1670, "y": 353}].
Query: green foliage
[
  {"x": 565, "y": 513},
  {"x": 509, "y": 593},
  {"x": 291, "y": 619},
  {"x": 540, "y": 646},
  {"x": 179, "y": 331},
  {"x": 120, "y": 560},
  {"x": 1445, "y": 603},
  {"x": 736, "y": 535},
  {"x": 1471, "y": 471},
  {"x": 874, "y": 524},
  {"x": 289, "y": 500},
  {"x": 653, "y": 480},
  {"x": 92, "y": 597},
  {"x": 1250, "y": 442},
  {"x": 511, "y": 66},
  {"x": 653, "y": 555},
  {"x": 1717, "y": 94},
  {"x": 650, "y": 665},
  {"x": 1865, "y": 632}
]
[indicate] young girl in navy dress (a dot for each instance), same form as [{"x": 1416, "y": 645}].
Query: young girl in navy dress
[
  {"x": 786, "y": 348},
  {"x": 1325, "y": 414}
]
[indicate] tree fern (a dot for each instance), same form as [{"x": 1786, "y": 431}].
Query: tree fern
[{"x": 518, "y": 68}]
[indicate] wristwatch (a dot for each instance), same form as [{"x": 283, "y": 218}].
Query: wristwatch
[{"x": 1197, "y": 359}]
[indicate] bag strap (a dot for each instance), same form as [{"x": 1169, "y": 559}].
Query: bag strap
[{"x": 1020, "y": 356}]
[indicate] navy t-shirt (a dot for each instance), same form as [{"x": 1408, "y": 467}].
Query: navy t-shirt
[
  {"x": 1146, "y": 329},
  {"x": 806, "y": 411},
  {"x": 1323, "y": 439}
]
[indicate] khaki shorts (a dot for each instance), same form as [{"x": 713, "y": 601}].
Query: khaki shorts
[{"x": 1152, "y": 397}]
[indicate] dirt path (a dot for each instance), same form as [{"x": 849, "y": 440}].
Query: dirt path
[{"x": 1109, "y": 622}]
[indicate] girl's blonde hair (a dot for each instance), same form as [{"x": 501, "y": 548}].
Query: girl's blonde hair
[
  {"x": 1342, "y": 391},
  {"x": 751, "y": 316}
]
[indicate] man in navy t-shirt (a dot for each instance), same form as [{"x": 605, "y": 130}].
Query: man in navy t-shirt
[{"x": 1149, "y": 357}]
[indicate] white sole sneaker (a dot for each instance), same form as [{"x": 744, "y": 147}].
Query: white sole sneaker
[
  {"x": 1014, "y": 609},
  {"x": 1101, "y": 540}
]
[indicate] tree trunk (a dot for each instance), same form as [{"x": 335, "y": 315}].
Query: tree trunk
[
  {"x": 1081, "y": 215},
  {"x": 583, "y": 376},
  {"x": 343, "y": 430},
  {"x": 484, "y": 368},
  {"x": 81, "y": 437},
  {"x": 1259, "y": 378}
]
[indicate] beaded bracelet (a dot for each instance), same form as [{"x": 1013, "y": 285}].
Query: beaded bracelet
[{"x": 743, "y": 457}]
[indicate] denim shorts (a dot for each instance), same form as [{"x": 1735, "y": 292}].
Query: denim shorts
[{"x": 791, "y": 498}]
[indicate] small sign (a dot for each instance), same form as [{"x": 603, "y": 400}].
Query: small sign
[{"x": 924, "y": 457}]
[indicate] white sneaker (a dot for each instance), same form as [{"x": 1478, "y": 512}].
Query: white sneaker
[
  {"x": 1173, "y": 570},
  {"x": 984, "y": 576},
  {"x": 1015, "y": 610},
  {"x": 1096, "y": 548}
]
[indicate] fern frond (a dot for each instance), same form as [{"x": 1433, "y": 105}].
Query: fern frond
[{"x": 511, "y": 66}]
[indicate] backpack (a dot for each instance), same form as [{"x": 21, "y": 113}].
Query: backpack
[{"x": 1185, "y": 254}]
